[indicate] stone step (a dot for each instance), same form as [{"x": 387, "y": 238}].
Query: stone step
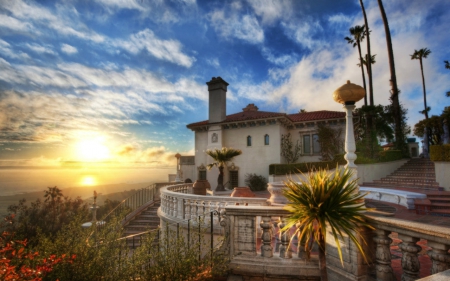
[
  {"x": 387, "y": 185},
  {"x": 415, "y": 177},
  {"x": 416, "y": 183}
]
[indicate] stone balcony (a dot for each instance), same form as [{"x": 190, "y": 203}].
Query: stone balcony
[{"x": 250, "y": 236}]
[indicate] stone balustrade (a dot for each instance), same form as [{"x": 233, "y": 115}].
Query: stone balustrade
[
  {"x": 275, "y": 254},
  {"x": 255, "y": 246},
  {"x": 178, "y": 205},
  {"x": 437, "y": 237},
  {"x": 269, "y": 254}
]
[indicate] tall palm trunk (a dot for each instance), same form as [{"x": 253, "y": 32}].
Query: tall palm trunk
[
  {"x": 220, "y": 180},
  {"x": 362, "y": 71},
  {"x": 322, "y": 258},
  {"x": 424, "y": 91},
  {"x": 399, "y": 137},
  {"x": 369, "y": 62}
]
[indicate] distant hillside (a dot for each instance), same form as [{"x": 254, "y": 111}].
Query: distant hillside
[{"x": 110, "y": 191}]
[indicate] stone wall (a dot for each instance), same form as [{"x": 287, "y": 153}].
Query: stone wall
[{"x": 442, "y": 174}]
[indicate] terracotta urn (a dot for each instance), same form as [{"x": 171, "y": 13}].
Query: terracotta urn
[
  {"x": 242, "y": 192},
  {"x": 200, "y": 186}
]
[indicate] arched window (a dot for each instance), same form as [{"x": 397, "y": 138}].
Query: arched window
[
  {"x": 249, "y": 141},
  {"x": 266, "y": 139}
]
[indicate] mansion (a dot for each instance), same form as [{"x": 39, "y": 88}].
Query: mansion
[{"x": 257, "y": 133}]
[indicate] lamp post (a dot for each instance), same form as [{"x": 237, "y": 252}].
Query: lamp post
[{"x": 348, "y": 95}]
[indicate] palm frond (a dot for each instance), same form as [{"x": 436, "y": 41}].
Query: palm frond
[
  {"x": 222, "y": 156},
  {"x": 326, "y": 200}
]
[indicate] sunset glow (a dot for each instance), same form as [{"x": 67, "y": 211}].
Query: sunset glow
[
  {"x": 88, "y": 180},
  {"x": 92, "y": 150}
]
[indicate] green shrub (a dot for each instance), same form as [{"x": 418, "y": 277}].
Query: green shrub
[
  {"x": 440, "y": 152},
  {"x": 390, "y": 155},
  {"x": 255, "y": 182},
  {"x": 283, "y": 169}
]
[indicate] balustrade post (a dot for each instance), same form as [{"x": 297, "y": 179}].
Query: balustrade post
[
  {"x": 285, "y": 252},
  {"x": 180, "y": 208},
  {"x": 187, "y": 209},
  {"x": 410, "y": 258},
  {"x": 383, "y": 266},
  {"x": 301, "y": 244},
  {"x": 439, "y": 256},
  {"x": 193, "y": 209},
  {"x": 266, "y": 237},
  {"x": 175, "y": 207}
]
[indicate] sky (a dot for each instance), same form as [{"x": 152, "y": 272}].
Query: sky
[{"x": 118, "y": 80}]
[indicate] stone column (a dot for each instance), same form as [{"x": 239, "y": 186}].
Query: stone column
[
  {"x": 266, "y": 237},
  {"x": 439, "y": 256},
  {"x": 285, "y": 252},
  {"x": 410, "y": 258},
  {"x": 350, "y": 146},
  {"x": 383, "y": 256}
]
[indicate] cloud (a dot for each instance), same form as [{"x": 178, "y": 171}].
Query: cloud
[
  {"x": 169, "y": 50},
  {"x": 271, "y": 11},
  {"x": 304, "y": 32},
  {"x": 283, "y": 60},
  {"x": 47, "y": 49},
  {"x": 14, "y": 24},
  {"x": 28, "y": 17},
  {"x": 123, "y": 4},
  {"x": 68, "y": 49},
  {"x": 233, "y": 25},
  {"x": 5, "y": 49}
]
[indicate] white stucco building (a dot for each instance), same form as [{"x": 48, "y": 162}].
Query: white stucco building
[{"x": 257, "y": 133}]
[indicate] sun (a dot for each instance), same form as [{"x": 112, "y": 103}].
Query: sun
[{"x": 92, "y": 150}]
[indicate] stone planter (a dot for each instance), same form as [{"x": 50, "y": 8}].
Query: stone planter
[
  {"x": 200, "y": 186},
  {"x": 242, "y": 192},
  {"x": 276, "y": 192}
]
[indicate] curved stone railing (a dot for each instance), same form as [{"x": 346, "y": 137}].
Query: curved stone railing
[
  {"x": 274, "y": 253},
  {"x": 437, "y": 238},
  {"x": 177, "y": 204}
]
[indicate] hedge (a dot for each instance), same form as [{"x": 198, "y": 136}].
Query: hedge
[
  {"x": 440, "y": 153},
  {"x": 283, "y": 169}
]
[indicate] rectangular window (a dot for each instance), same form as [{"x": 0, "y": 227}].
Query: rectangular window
[
  {"x": 234, "y": 179},
  {"x": 202, "y": 175},
  {"x": 316, "y": 144},
  {"x": 306, "y": 144}
]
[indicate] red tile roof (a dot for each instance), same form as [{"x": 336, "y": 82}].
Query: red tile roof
[
  {"x": 297, "y": 117},
  {"x": 316, "y": 115}
]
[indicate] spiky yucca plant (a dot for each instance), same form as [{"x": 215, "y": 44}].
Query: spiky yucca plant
[
  {"x": 221, "y": 158},
  {"x": 326, "y": 200}
]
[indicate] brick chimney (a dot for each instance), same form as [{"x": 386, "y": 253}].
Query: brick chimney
[{"x": 217, "y": 88}]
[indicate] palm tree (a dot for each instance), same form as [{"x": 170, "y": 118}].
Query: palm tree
[
  {"x": 447, "y": 65},
  {"x": 52, "y": 194},
  {"x": 420, "y": 55},
  {"x": 357, "y": 33},
  {"x": 326, "y": 199},
  {"x": 369, "y": 69},
  {"x": 221, "y": 158},
  {"x": 396, "y": 110}
]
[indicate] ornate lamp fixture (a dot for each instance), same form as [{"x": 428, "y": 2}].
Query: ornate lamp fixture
[{"x": 348, "y": 95}]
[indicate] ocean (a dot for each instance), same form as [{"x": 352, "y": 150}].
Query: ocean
[{"x": 18, "y": 180}]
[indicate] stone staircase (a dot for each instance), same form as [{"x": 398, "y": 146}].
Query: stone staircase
[
  {"x": 145, "y": 221},
  {"x": 418, "y": 175}
]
